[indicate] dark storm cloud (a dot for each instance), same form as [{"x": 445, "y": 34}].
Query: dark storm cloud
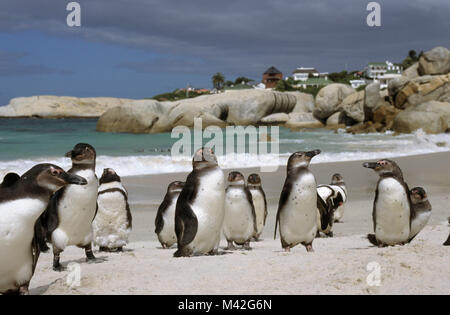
[
  {"x": 246, "y": 36},
  {"x": 12, "y": 65}
]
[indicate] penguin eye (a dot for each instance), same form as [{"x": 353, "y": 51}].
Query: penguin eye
[{"x": 54, "y": 172}]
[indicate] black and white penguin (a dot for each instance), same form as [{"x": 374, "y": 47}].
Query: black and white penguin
[
  {"x": 165, "y": 217},
  {"x": 21, "y": 203},
  {"x": 338, "y": 185},
  {"x": 421, "y": 211},
  {"x": 113, "y": 222},
  {"x": 200, "y": 212},
  {"x": 259, "y": 203},
  {"x": 297, "y": 208},
  {"x": 239, "y": 225},
  {"x": 72, "y": 209},
  {"x": 333, "y": 196},
  {"x": 392, "y": 205}
]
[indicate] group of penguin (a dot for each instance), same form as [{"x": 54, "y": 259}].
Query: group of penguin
[{"x": 50, "y": 205}]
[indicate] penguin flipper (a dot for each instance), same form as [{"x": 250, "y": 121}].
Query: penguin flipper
[
  {"x": 50, "y": 216},
  {"x": 283, "y": 198},
  {"x": 250, "y": 200},
  {"x": 372, "y": 239},
  {"x": 186, "y": 224},
  {"x": 326, "y": 214},
  {"x": 447, "y": 242},
  {"x": 159, "y": 222},
  {"x": 265, "y": 206}
]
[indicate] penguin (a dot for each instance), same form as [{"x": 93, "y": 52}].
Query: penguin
[
  {"x": 259, "y": 202},
  {"x": 392, "y": 208},
  {"x": 240, "y": 218},
  {"x": 72, "y": 209},
  {"x": 165, "y": 217},
  {"x": 421, "y": 211},
  {"x": 199, "y": 213},
  {"x": 333, "y": 197},
  {"x": 338, "y": 184},
  {"x": 21, "y": 204},
  {"x": 298, "y": 204},
  {"x": 113, "y": 223}
]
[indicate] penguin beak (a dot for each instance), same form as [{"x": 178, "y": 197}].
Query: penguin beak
[
  {"x": 73, "y": 179},
  {"x": 371, "y": 165},
  {"x": 312, "y": 154},
  {"x": 68, "y": 154}
]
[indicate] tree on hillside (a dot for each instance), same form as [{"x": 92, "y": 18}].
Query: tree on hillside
[
  {"x": 410, "y": 59},
  {"x": 239, "y": 80},
  {"x": 218, "y": 80}
]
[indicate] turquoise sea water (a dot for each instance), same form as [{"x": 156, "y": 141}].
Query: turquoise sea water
[{"x": 25, "y": 142}]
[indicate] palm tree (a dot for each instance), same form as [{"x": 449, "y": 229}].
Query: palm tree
[{"x": 218, "y": 80}]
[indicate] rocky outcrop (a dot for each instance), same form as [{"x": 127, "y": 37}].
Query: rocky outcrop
[
  {"x": 298, "y": 121},
  {"x": 352, "y": 108},
  {"x": 305, "y": 102},
  {"x": 432, "y": 117},
  {"x": 60, "y": 106},
  {"x": 411, "y": 72},
  {"x": 435, "y": 61},
  {"x": 408, "y": 121},
  {"x": 329, "y": 98},
  {"x": 422, "y": 89},
  {"x": 372, "y": 98},
  {"x": 249, "y": 107}
]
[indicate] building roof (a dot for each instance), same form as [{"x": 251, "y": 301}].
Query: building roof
[
  {"x": 272, "y": 70},
  {"x": 305, "y": 70},
  {"x": 316, "y": 81},
  {"x": 377, "y": 64}
]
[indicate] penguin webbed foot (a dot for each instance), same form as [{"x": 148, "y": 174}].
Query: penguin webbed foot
[
  {"x": 23, "y": 290},
  {"x": 58, "y": 267},
  {"x": 246, "y": 246},
  {"x": 230, "y": 246},
  {"x": 309, "y": 248},
  {"x": 329, "y": 234}
]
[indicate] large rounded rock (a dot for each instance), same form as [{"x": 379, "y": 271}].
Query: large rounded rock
[
  {"x": 435, "y": 61},
  {"x": 329, "y": 98},
  {"x": 420, "y": 90},
  {"x": 302, "y": 120},
  {"x": 305, "y": 102},
  {"x": 60, "y": 106},
  {"x": 275, "y": 119},
  {"x": 143, "y": 117},
  {"x": 409, "y": 121},
  {"x": 412, "y": 71},
  {"x": 352, "y": 108},
  {"x": 441, "y": 108},
  {"x": 372, "y": 98}
]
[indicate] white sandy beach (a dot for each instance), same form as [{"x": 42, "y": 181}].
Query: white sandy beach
[{"x": 338, "y": 265}]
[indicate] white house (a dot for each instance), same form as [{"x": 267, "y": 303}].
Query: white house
[
  {"x": 303, "y": 73},
  {"x": 383, "y": 72},
  {"x": 357, "y": 83}
]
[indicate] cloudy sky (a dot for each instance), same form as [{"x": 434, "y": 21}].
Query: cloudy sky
[{"x": 138, "y": 48}]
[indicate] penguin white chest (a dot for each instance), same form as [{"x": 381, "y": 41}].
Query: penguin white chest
[
  {"x": 111, "y": 228},
  {"x": 392, "y": 212},
  {"x": 167, "y": 234},
  {"x": 208, "y": 207},
  {"x": 298, "y": 219},
  {"x": 260, "y": 209},
  {"x": 17, "y": 219},
  {"x": 76, "y": 211},
  {"x": 419, "y": 222},
  {"x": 238, "y": 223}
]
